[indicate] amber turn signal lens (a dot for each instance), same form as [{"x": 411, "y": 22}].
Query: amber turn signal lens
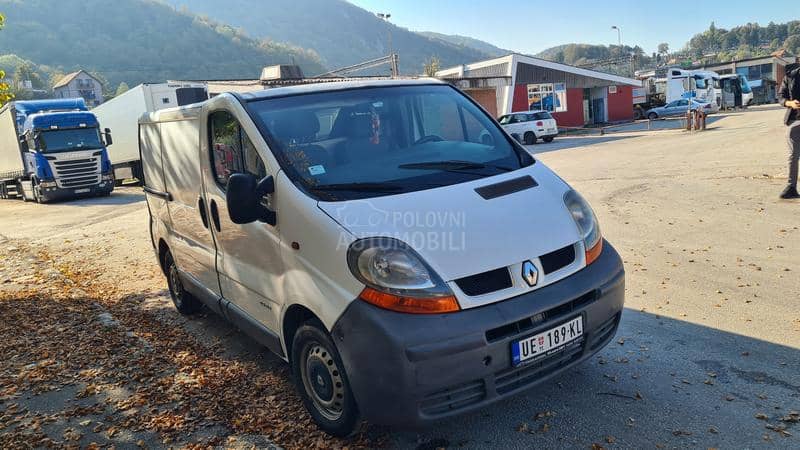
[
  {"x": 593, "y": 253},
  {"x": 411, "y": 305}
]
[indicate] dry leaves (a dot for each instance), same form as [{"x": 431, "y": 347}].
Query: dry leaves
[{"x": 62, "y": 329}]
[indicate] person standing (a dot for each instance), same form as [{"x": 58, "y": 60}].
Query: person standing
[{"x": 790, "y": 99}]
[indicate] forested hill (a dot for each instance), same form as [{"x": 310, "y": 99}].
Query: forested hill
[
  {"x": 341, "y": 33},
  {"x": 746, "y": 41},
  {"x": 469, "y": 42},
  {"x": 136, "y": 41},
  {"x": 712, "y": 45}
]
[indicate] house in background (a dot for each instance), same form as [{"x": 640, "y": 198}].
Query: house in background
[{"x": 80, "y": 84}]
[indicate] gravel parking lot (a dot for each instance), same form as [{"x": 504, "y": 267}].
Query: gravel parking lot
[{"x": 708, "y": 354}]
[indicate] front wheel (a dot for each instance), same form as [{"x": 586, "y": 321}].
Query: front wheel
[
  {"x": 321, "y": 381},
  {"x": 184, "y": 302},
  {"x": 22, "y": 193}
]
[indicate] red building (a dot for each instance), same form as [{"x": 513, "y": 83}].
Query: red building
[{"x": 575, "y": 96}]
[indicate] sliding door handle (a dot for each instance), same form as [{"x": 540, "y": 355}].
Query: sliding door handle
[
  {"x": 215, "y": 215},
  {"x": 201, "y": 205}
]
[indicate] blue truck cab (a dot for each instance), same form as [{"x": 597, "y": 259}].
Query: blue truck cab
[{"x": 63, "y": 151}]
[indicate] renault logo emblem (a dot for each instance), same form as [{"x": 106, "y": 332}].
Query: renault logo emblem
[{"x": 529, "y": 273}]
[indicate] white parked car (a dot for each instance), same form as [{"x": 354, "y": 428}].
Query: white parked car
[
  {"x": 406, "y": 256},
  {"x": 530, "y": 126}
]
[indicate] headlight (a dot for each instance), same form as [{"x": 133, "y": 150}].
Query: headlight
[
  {"x": 587, "y": 224},
  {"x": 397, "y": 278}
]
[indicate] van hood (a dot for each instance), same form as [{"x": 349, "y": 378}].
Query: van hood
[{"x": 459, "y": 232}]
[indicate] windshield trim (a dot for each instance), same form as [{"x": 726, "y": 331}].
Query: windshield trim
[{"x": 525, "y": 159}]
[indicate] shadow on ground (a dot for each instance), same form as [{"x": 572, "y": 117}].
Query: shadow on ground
[
  {"x": 660, "y": 382},
  {"x": 565, "y": 142}
]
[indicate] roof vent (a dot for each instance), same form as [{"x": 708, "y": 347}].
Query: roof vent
[{"x": 281, "y": 72}]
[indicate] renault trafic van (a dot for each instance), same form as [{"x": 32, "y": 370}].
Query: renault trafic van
[{"x": 406, "y": 256}]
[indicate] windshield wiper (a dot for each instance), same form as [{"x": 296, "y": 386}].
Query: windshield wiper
[
  {"x": 363, "y": 187},
  {"x": 453, "y": 165}
]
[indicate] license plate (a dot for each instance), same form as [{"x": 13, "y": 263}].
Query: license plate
[
  {"x": 547, "y": 342},
  {"x": 551, "y": 130},
  {"x": 82, "y": 191}
]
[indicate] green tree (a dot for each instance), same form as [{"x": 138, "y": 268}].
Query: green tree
[
  {"x": 663, "y": 48},
  {"x": 792, "y": 44},
  {"x": 27, "y": 84},
  {"x": 5, "y": 91},
  {"x": 121, "y": 89}
]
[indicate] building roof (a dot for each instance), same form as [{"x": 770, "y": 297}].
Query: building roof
[
  {"x": 513, "y": 58},
  {"x": 785, "y": 58},
  {"x": 71, "y": 76}
]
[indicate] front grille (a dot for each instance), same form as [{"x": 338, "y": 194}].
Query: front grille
[
  {"x": 516, "y": 377},
  {"x": 486, "y": 282},
  {"x": 453, "y": 398},
  {"x": 558, "y": 259},
  {"x": 75, "y": 173},
  {"x": 520, "y": 326}
]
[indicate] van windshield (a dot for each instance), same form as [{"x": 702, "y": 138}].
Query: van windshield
[
  {"x": 70, "y": 139},
  {"x": 367, "y": 142}
]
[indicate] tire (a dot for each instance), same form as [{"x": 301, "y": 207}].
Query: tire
[
  {"x": 529, "y": 138},
  {"x": 321, "y": 381},
  {"x": 652, "y": 116},
  {"x": 22, "y": 193},
  {"x": 37, "y": 192},
  {"x": 548, "y": 139},
  {"x": 184, "y": 302}
]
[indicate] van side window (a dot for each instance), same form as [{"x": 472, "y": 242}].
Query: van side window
[{"x": 231, "y": 150}]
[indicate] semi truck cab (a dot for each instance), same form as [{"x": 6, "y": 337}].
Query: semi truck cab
[{"x": 63, "y": 151}]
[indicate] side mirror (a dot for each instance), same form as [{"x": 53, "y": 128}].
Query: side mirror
[
  {"x": 107, "y": 137},
  {"x": 244, "y": 197}
]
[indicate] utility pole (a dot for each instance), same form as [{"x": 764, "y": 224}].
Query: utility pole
[
  {"x": 619, "y": 34},
  {"x": 393, "y": 66}
]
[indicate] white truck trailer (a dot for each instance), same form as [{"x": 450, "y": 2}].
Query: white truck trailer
[{"x": 122, "y": 115}]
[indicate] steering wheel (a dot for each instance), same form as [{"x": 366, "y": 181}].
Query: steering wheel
[{"x": 428, "y": 138}]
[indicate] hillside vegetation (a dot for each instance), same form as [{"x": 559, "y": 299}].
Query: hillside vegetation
[
  {"x": 710, "y": 46},
  {"x": 341, "y": 33},
  {"x": 745, "y": 41},
  {"x": 136, "y": 41},
  {"x": 468, "y": 42}
]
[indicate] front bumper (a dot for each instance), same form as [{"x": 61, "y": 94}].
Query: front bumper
[
  {"x": 57, "y": 193},
  {"x": 409, "y": 370}
]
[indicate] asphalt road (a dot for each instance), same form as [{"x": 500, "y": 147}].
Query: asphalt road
[{"x": 708, "y": 354}]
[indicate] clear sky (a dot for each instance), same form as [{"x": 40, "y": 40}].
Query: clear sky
[{"x": 530, "y": 26}]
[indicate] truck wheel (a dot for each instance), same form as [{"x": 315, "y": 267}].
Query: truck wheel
[
  {"x": 22, "y": 193},
  {"x": 530, "y": 138},
  {"x": 37, "y": 191},
  {"x": 184, "y": 302},
  {"x": 321, "y": 381}
]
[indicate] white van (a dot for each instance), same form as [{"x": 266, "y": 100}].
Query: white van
[{"x": 388, "y": 239}]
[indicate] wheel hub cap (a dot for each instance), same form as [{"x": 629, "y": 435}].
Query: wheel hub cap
[{"x": 323, "y": 381}]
